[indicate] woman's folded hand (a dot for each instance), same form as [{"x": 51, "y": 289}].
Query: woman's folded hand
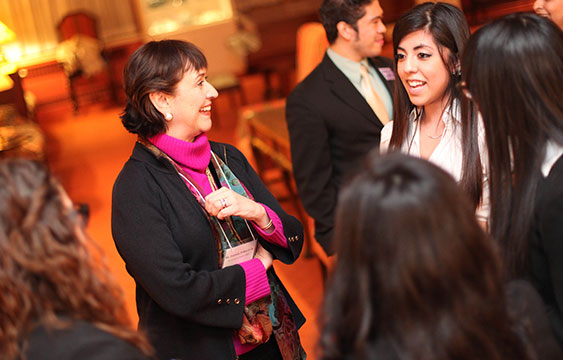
[{"x": 225, "y": 202}]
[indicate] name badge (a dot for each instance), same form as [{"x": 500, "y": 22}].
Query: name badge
[
  {"x": 240, "y": 253},
  {"x": 387, "y": 73}
]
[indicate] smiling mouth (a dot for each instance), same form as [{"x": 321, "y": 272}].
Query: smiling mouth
[
  {"x": 205, "y": 108},
  {"x": 415, "y": 83}
]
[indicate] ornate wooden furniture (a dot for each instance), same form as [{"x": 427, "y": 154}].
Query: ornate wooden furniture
[
  {"x": 87, "y": 72},
  {"x": 269, "y": 142}
]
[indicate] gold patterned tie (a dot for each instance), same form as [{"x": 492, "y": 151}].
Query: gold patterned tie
[{"x": 372, "y": 97}]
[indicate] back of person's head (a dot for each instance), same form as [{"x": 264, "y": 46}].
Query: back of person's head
[
  {"x": 47, "y": 275},
  {"x": 155, "y": 66},
  {"x": 416, "y": 276},
  {"x": 513, "y": 71},
  {"x": 332, "y": 12},
  {"x": 449, "y": 29},
  {"x": 517, "y": 61}
]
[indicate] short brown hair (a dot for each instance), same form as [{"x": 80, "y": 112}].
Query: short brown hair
[{"x": 155, "y": 66}]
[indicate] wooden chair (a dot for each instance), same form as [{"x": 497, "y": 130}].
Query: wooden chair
[
  {"x": 82, "y": 26},
  {"x": 77, "y": 23}
]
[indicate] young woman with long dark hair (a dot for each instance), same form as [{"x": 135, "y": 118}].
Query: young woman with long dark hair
[
  {"x": 513, "y": 76},
  {"x": 427, "y": 43}
]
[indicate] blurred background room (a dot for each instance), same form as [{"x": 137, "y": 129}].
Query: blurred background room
[{"x": 61, "y": 64}]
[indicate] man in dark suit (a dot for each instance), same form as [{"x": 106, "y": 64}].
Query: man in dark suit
[{"x": 331, "y": 124}]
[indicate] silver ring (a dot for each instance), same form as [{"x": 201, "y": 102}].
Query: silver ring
[{"x": 224, "y": 203}]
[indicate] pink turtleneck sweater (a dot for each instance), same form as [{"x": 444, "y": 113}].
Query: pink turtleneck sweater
[{"x": 194, "y": 158}]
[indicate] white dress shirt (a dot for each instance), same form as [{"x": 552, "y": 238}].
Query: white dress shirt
[
  {"x": 553, "y": 152},
  {"x": 449, "y": 153}
]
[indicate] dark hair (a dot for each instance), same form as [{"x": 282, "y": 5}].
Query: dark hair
[
  {"x": 334, "y": 11},
  {"x": 513, "y": 69},
  {"x": 448, "y": 27},
  {"x": 155, "y": 66},
  {"x": 48, "y": 275},
  {"x": 415, "y": 271}
]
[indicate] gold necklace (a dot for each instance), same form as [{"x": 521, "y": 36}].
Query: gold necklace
[{"x": 435, "y": 137}]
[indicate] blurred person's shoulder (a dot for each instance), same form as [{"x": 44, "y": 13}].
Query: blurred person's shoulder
[
  {"x": 528, "y": 314},
  {"x": 81, "y": 340}
]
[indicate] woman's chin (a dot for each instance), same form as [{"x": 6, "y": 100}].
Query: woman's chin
[{"x": 207, "y": 126}]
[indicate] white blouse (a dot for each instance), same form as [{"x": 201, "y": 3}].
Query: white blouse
[
  {"x": 553, "y": 152},
  {"x": 449, "y": 153}
]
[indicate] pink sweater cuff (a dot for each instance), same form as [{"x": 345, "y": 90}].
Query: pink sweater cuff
[
  {"x": 242, "y": 349},
  {"x": 256, "y": 280},
  {"x": 277, "y": 236}
]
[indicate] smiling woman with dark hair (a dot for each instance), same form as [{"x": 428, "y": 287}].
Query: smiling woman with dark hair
[
  {"x": 196, "y": 226},
  {"x": 428, "y": 41}
]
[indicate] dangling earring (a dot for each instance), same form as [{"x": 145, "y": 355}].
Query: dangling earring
[
  {"x": 457, "y": 71},
  {"x": 168, "y": 116}
]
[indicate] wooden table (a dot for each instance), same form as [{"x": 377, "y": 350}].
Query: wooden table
[
  {"x": 269, "y": 141},
  {"x": 268, "y": 134}
]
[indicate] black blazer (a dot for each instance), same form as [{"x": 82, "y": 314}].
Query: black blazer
[
  {"x": 331, "y": 128},
  {"x": 188, "y": 307},
  {"x": 546, "y": 246}
]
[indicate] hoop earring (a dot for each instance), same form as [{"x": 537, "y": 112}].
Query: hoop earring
[{"x": 168, "y": 116}]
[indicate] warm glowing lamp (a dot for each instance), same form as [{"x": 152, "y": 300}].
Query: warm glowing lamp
[
  {"x": 6, "y": 35},
  {"x": 6, "y": 67}
]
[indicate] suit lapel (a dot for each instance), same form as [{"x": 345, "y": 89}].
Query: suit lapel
[{"x": 346, "y": 91}]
